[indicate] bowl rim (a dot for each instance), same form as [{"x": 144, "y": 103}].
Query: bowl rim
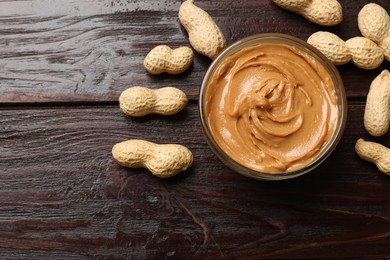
[{"x": 341, "y": 104}]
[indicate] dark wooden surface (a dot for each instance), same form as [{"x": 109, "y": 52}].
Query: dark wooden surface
[{"x": 63, "y": 65}]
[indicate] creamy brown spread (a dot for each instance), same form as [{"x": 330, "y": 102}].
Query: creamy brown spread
[{"x": 271, "y": 107}]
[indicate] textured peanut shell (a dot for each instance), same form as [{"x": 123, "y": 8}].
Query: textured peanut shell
[
  {"x": 140, "y": 101},
  {"x": 375, "y": 153},
  {"x": 331, "y": 46},
  {"x": 164, "y": 59},
  {"x": 363, "y": 52},
  {"x": 293, "y": 5},
  {"x": 374, "y": 23},
  {"x": 162, "y": 160},
  {"x": 385, "y": 45},
  {"x": 203, "y": 33},
  {"x": 377, "y": 111},
  {"x": 366, "y": 54},
  {"x": 322, "y": 12}
]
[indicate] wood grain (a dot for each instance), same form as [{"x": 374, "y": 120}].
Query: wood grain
[
  {"x": 90, "y": 50},
  {"x": 62, "y": 195},
  {"x": 63, "y": 64}
]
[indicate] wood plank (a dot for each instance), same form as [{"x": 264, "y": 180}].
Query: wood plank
[
  {"x": 62, "y": 194},
  {"x": 91, "y": 50}
]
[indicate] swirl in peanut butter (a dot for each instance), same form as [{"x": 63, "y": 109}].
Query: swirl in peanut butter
[{"x": 271, "y": 107}]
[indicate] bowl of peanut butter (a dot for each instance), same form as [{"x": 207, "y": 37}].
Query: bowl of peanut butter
[{"x": 272, "y": 107}]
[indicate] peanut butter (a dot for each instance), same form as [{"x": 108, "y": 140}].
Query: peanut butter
[{"x": 271, "y": 107}]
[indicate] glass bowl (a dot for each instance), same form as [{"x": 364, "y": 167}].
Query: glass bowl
[{"x": 221, "y": 148}]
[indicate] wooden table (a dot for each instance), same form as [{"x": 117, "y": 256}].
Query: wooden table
[{"x": 63, "y": 64}]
